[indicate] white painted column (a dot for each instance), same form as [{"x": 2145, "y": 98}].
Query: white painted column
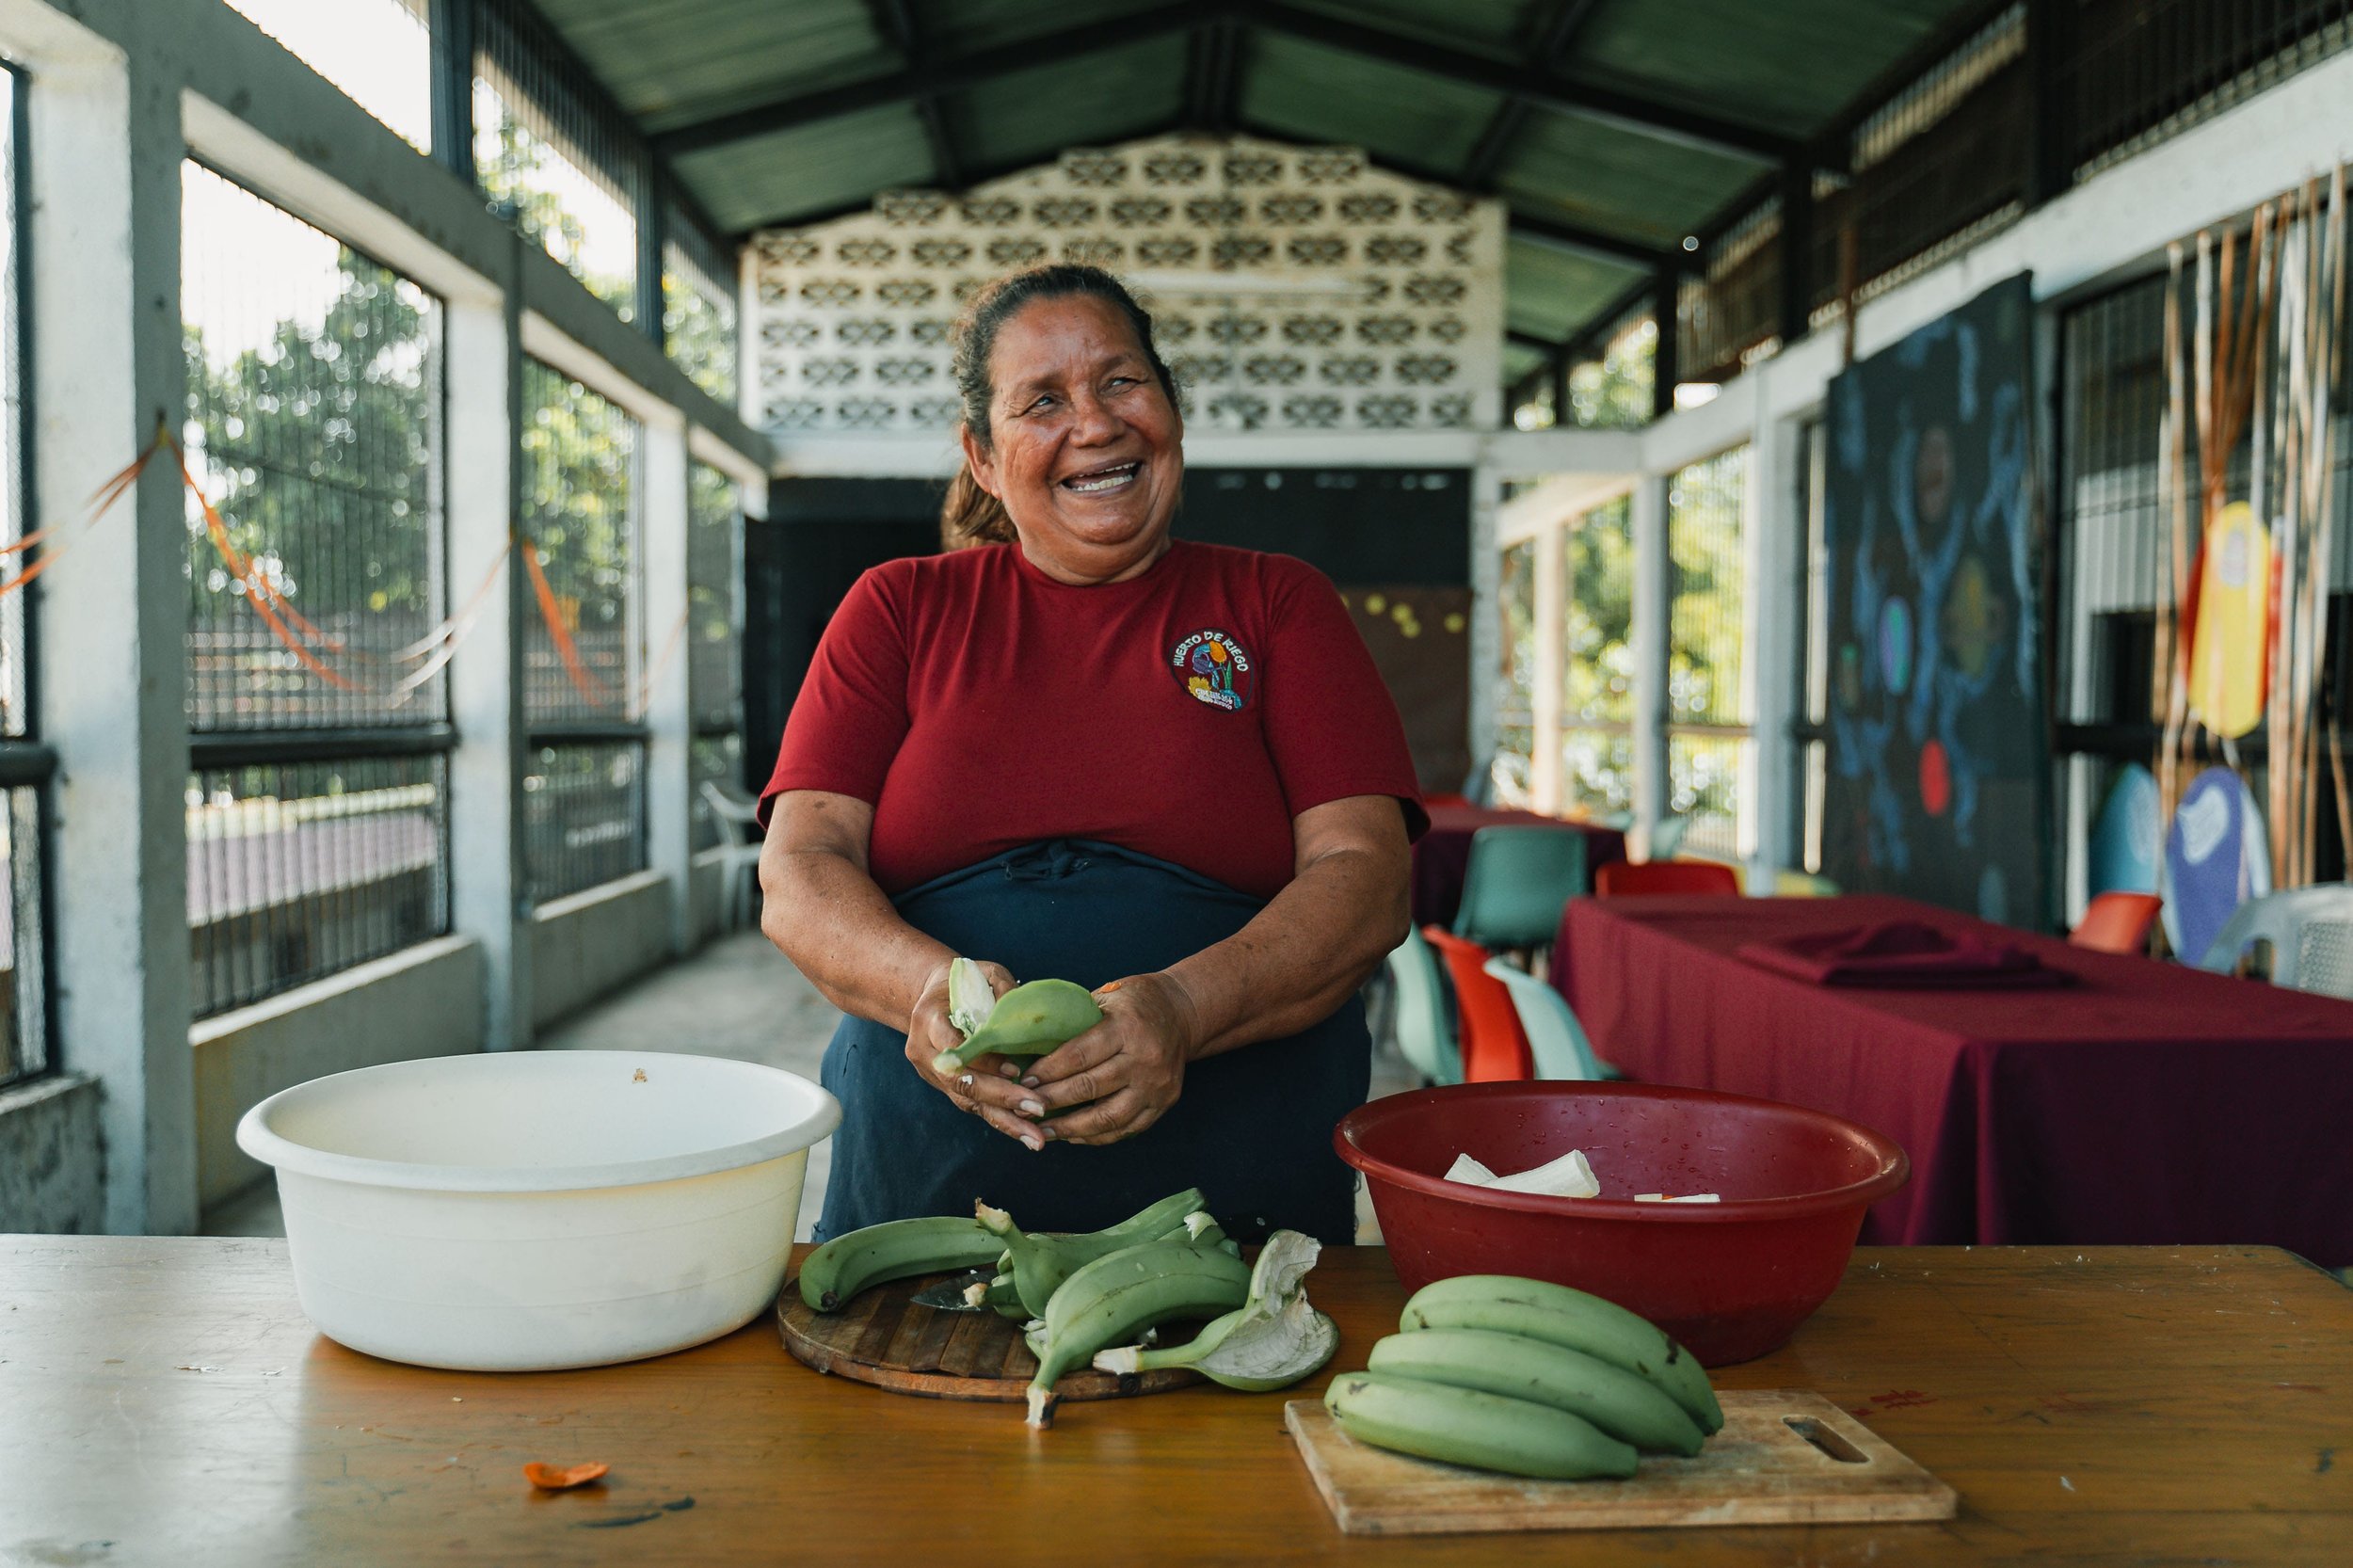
[
  {"x": 669, "y": 717},
  {"x": 105, "y": 145},
  {"x": 1652, "y": 604},
  {"x": 1486, "y": 626},
  {"x": 489, "y": 899},
  {"x": 1773, "y": 538},
  {"x": 1552, "y": 613}
]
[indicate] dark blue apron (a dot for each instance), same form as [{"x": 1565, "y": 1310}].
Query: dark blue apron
[{"x": 1253, "y": 1128}]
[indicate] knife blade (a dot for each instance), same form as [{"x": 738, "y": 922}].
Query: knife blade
[{"x": 948, "y": 1295}]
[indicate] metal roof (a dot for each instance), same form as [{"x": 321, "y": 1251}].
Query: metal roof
[{"x": 1611, "y": 129}]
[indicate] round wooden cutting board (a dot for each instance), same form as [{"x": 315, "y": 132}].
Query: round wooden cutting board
[{"x": 883, "y": 1338}]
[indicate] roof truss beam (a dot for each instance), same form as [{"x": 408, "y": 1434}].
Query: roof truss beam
[
  {"x": 1557, "y": 25},
  {"x": 897, "y": 20},
  {"x": 929, "y": 78},
  {"x": 1213, "y": 77}
]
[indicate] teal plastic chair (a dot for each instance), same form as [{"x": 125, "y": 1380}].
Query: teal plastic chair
[
  {"x": 1555, "y": 1038},
  {"x": 1424, "y": 1030},
  {"x": 1667, "y": 837},
  {"x": 1517, "y": 881}
]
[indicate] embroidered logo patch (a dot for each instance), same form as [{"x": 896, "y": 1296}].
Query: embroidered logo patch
[{"x": 1214, "y": 667}]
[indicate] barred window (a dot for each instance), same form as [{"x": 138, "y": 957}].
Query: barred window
[
  {"x": 1708, "y": 750},
  {"x": 574, "y": 178},
  {"x": 698, "y": 320},
  {"x": 316, "y": 707},
  {"x": 25, "y": 764},
  {"x": 584, "y": 807},
  {"x": 378, "y": 52}
]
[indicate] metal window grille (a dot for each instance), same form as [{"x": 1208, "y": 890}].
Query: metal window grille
[
  {"x": 1706, "y": 703},
  {"x": 715, "y": 575},
  {"x": 314, "y": 390},
  {"x": 584, "y": 815},
  {"x": 1597, "y": 660},
  {"x": 25, "y": 1033},
  {"x": 547, "y": 142},
  {"x": 579, "y": 455},
  {"x": 699, "y": 307},
  {"x": 299, "y": 869},
  {"x": 585, "y": 799},
  {"x": 1515, "y": 707},
  {"x": 2140, "y": 70},
  {"x": 378, "y": 52},
  {"x": 1612, "y": 390},
  {"x": 316, "y": 808}
]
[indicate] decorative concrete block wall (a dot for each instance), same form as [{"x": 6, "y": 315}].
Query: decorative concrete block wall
[{"x": 1381, "y": 304}]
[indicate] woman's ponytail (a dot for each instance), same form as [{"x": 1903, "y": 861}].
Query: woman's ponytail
[{"x": 969, "y": 515}]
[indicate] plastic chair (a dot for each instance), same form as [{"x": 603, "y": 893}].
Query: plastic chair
[
  {"x": 739, "y": 863},
  {"x": 1556, "y": 1041},
  {"x": 1517, "y": 881},
  {"x": 1667, "y": 837},
  {"x": 1626, "y": 878},
  {"x": 1425, "y": 1033},
  {"x": 1493, "y": 1047},
  {"x": 2116, "y": 923},
  {"x": 2311, "y": 932}
]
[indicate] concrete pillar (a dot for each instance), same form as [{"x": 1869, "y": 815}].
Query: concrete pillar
[
  {"x": 1653, "y": 601},
  {"x": 668, "y": 718},
  {"x": 490, "y": 898},
  {"x": 1773, "y": 540},
  {"x": 1552, "y": 613},
  {"x": 104, "y": 146},
  {"x": 1486, "y": 625}
]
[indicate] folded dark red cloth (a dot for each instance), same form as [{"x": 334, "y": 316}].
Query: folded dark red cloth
[{"x": 1902, "y": 954}]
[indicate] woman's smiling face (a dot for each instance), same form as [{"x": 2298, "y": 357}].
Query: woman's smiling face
[{"x": 1085, "y": 450}]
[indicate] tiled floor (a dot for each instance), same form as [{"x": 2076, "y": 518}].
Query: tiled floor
[{"x": 741, "y": 997}]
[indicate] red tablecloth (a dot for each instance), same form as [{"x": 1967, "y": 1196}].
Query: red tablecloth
[
  {"x": 1443, "y": 856},
  {"x": 2147, "y": 1103}
]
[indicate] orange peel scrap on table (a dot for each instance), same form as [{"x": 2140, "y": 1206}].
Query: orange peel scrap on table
[{"x": 563, "y": 1478}]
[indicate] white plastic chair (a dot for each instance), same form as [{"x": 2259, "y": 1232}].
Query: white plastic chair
[
  {"x": 2311, "y": 932},
  {"x": 1425, "y": 1033},
  {"x": 739, "y": 867},
  {"x": 1555, "y": 1039}
]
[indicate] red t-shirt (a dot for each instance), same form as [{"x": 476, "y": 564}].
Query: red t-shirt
[{"x": 1189, "y": 713}]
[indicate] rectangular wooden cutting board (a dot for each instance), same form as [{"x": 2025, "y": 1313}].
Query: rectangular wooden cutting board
[{"x": 1785, "y": 1457}]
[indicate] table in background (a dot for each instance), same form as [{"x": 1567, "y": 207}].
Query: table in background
[
  {"x": 2146, "y": 1103},
  {"x": 1443, "y": 856},
  {"x": 162, "y": 1401}
]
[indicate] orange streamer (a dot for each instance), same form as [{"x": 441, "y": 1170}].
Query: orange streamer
[{"x": 583, "y": 679}]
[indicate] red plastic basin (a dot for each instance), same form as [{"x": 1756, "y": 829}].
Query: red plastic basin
[{"x": 1732, "y": 1280}]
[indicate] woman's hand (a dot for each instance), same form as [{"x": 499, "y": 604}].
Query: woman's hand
[
  {"x": 1125, "y": 1072},
  {"x": 984, "y": 1086}
]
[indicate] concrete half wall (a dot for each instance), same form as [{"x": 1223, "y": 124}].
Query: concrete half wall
[
  {"x": 52, "y": 1161},
  {"x": 589, "y": 943},
  {"x": 425, "y": 1001}
]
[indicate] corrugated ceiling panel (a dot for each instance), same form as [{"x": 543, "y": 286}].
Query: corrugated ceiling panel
[
  {"x": 1792, "y": 64},
  {"x": 966, "y": 25},
  {"x": 1031, "y": 117},
  {"x": 671, "y": 62},
  {"x": 1318, "y": 94},
  {"x": 1519, "y": 361},
  {"x": 811, "y": 169},
  {"x": 1553, "y": 293},
  {"x": 1498, "y": 27},
  {"x": 1604, "y": 177}
]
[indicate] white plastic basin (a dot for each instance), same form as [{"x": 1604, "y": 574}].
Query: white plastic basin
[{"x": 534, "y": 1209}]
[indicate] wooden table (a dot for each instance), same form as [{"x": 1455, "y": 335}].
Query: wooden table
[{"x": 164, "y": 1398}]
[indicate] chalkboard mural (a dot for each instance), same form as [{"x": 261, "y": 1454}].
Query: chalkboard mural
[{"x": 1938, "y": 753}]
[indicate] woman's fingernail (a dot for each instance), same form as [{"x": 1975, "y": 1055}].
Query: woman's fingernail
[
  {"x": 1010, "y": 1070},
  {"x": 1048, "y": 1131},
  {"x": 1031, "y": 1108},
  {"x": 1027, "y": 1083},
  {"x": 965, "y": 1081},
  {"x": 1030, "y": 1141}
]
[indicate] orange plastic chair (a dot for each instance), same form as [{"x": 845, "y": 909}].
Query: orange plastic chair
[
  {"x": 1493, "y": 1047},
  {"x": 2116, "y": 923},
  {"x": 1622, "y": 878}
]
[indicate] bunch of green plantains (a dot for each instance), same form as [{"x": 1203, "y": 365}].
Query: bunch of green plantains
[
  {"x": 1097, "y": 1297},
  {"x": 1502, "y": 1373}
]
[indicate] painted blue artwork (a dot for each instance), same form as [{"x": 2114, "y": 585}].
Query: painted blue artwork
[
  {"x": 1939, "y": 722},
  {"x": 2216, "y": 857},
  {"x": 2128, "y": 835}
]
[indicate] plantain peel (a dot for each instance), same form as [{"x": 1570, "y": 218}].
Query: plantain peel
[{"x": 1028, "y": 1020}]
